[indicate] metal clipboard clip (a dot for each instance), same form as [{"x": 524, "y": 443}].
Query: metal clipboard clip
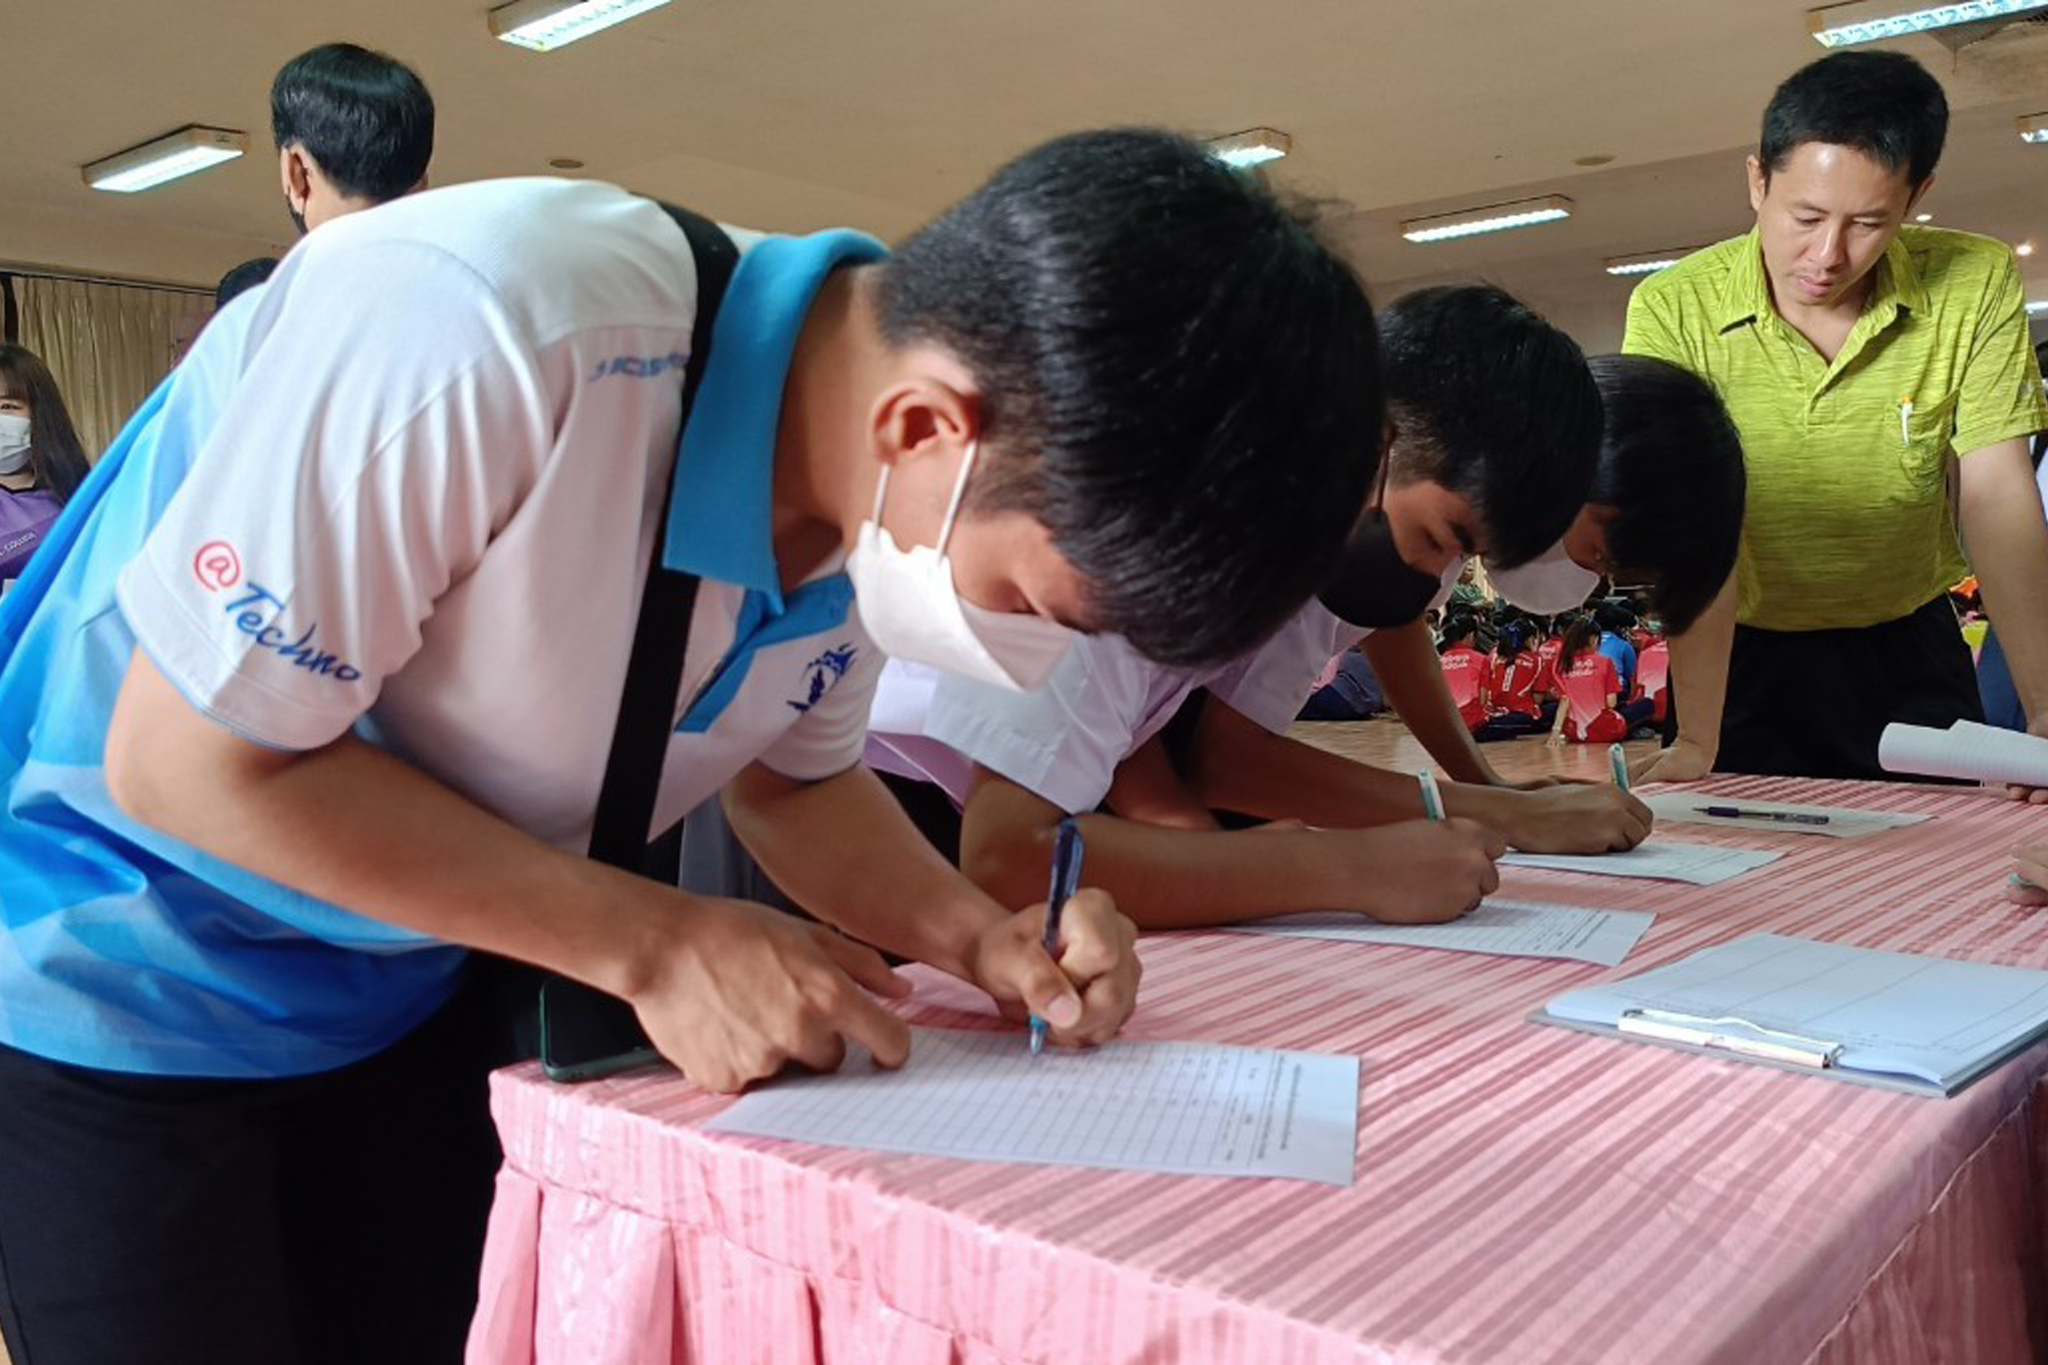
[{"x": 1727, "y": 1033}]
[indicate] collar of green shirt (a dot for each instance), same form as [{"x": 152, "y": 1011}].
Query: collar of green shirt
[{"x": 1746, "y": 296}]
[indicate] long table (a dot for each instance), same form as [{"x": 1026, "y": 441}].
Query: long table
[{"x": 1523, "y": 1194}]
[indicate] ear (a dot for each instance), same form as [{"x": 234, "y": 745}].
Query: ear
[
  {"x": 295, "y": 169},
  {"x": 931, "y": 408},
  {"x": 1759, "y": 183}
]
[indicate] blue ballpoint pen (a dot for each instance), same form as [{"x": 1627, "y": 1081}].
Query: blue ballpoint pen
[{"x": 1066, "y": 876}]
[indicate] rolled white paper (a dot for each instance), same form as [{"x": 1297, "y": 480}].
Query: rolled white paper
[{"x": 1965, "y": 750}]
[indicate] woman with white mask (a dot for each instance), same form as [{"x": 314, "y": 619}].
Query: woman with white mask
[{"x": 41, "y": 461}]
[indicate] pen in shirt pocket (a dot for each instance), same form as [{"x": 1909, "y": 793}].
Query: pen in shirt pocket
[{"x": 1906, "y": 420}]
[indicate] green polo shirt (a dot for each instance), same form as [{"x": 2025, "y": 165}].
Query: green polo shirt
[{"x": 1849, "y": 521}]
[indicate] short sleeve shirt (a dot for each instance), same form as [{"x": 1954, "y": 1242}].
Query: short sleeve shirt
[
  {"x": 407, "y": 491},
  {"x": 1849, "y": 521}
]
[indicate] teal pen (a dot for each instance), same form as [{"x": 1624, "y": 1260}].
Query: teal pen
[
  {"x": 1066, "y": 877},
  {"x": 1618, "y": 761},
  {"x": 1432, "y": 799}
]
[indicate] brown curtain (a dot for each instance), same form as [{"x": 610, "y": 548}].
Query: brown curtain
[{"x": 107, "y": 345}]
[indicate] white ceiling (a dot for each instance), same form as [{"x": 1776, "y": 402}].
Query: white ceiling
[{"x": 794, "y": 114}]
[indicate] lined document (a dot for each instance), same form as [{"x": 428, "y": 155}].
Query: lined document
[
  {"x": 1684, "y": 807},
  {"x": 1967, "y": 750},
  {"x": 1699, "y": 864},
  {"x": 1180, "y": 1108},
  {"x": 1507, "y": 928},
  {"x": 1934, "y": 1019}
]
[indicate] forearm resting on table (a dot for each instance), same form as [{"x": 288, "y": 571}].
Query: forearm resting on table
[
  {"x": 360, "y": 829},
  {"x": 1411, "y": 676},
  {"x": 876, "y": 877},
  {"x": 1699, "y": 670},
  {"x": 1239, "y": 766},
  {"x": 2007, "y": 538},
  {"x": 1161, "y": 878}
]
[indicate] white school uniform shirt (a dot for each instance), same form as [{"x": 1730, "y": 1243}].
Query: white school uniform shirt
[
  {"x": 412, "y": 492},
  {"x": 1065, "y": 741}
]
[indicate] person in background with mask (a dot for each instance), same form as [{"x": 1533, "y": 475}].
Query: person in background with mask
[
  {"x": 41, "y": 462},
  {"x": 1880, "y": 374},
  {"x": 1665, "y": 502},
  {"x": 322, "y": 691},
  {"x": 354, "y": 129}
]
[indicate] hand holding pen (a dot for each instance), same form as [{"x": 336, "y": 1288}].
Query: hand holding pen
[
  {"x": 1066, "y": 880},
  {"x": 1080, "y": 979}
]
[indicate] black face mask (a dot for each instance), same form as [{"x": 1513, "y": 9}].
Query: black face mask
[{"x": 1372, "y": 585}]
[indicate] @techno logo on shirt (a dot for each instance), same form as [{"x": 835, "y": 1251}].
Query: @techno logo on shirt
[
  {"x": 217, "y": 566},
  {"x": 260, "y": 616}
]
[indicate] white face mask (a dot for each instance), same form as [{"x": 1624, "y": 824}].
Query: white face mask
[
  {"x": 912, "y": 611},
  {"x": 1547, "y": 584},
  {"x": 13, "y": 442}
]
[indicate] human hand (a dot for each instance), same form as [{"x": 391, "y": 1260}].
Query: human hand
[
  {"x": 1577, "y": 818},
  {"x": 1088, "y": 992},
  {"x": 2035, "y": 795},
  {"x": 1686, "y": 760},
  {"x": 2028, "y": 884},
  {"x": 736, "y": 991},
  {"x": 1421, "y": 871}
]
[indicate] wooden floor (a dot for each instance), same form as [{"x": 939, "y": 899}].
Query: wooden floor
[{"x": 1386, "y": 743}]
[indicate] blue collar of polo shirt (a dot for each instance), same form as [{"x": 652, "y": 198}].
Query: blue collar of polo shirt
[{"x": 720, "y": 518}]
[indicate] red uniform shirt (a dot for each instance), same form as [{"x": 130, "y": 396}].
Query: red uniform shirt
[
  {"x": 1465, "y": 673},
  {"x": 1514, "y": 685},
  {"x": 1591, "y": 680},
  {"x": 1546, "y": 663}
]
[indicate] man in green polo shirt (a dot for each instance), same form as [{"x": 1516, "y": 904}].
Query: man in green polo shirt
[{"x": 1881, "y": 378}]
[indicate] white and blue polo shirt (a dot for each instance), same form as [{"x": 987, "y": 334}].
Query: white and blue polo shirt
[{"x": 408, "y": 490}]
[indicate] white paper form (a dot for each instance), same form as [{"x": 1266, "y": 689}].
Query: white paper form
[
  {"x": 1181, "y": 1108},
  {"x": 1683, "y": 807},
  {"x": 1699, "y": 864},
  {"x": 1507, "y": 928},
  {"x": 1966, "y": 749},
  {"x": 1929, "y": 1017}
]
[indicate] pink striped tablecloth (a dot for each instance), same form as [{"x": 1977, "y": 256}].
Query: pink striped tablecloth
[{"x": 1523, "y": 1194}]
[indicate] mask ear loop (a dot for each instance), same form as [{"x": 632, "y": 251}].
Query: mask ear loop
[
  {"x": 881, "y": 492},
  {"x": 959, "y": 490}
]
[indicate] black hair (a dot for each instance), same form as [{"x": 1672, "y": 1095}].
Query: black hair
[
  {"x": 1883, "y": 104},
  {"x": 1513, "y": 636},
  {"x": 1583, "y": 633},
  {"x": 1614, "y": 617},
  {"x": 54, "y": 451},
  {"x": 1671, "y": 464},
  {"x": 241, "y": 279},
  {"x": 1499, "y": 406},
  {"x": 1458, "y": 628},
  {"x": 364, "y": 117},
  {"x": 1176, "y": 376}
]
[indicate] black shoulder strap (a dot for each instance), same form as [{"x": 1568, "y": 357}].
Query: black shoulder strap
[{"x": 632, "y": 774}]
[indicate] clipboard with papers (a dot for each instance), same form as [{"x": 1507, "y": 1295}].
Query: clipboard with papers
[{"x": 1898, "y": 1021}]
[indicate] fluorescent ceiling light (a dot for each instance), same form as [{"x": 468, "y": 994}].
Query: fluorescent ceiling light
[
  {"x": 544, "y": 25},
  {"x": 2037, "y": 305},
  {"x": 1871, "y": 21},
  {"x": 181, "y": 153},
  {"x": 1252, "y": 147},
  {"x": 1649, "y": 262},
  {"x": 2034, "y": 128},
  {"x": 1443, "y": 227}
]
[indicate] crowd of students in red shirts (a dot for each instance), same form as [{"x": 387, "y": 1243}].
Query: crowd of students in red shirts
[{"x": 1589, "y": 677}]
